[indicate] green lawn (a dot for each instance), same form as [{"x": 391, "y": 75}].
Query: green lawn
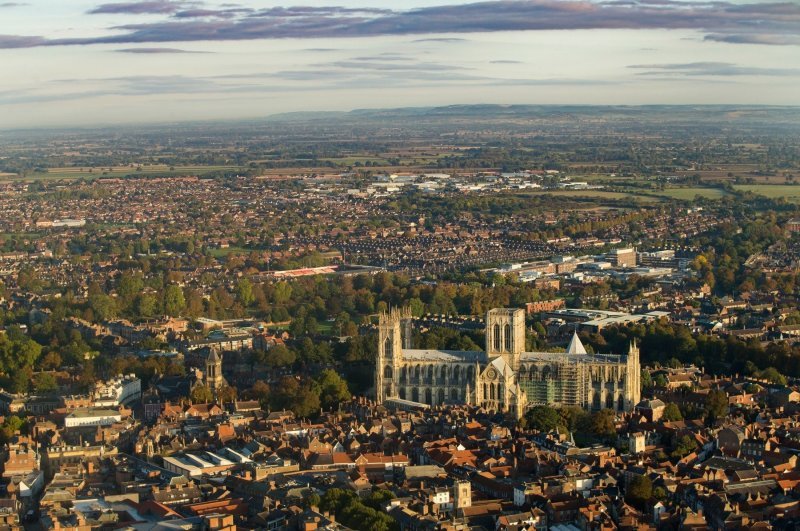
[
  {"x": 774, "y": 191},
  {"x": 688, "y": 194},
  {"x": 218, "y": 253}
]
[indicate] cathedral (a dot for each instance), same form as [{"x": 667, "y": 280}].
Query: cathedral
[{"x": 503, "y": 377}]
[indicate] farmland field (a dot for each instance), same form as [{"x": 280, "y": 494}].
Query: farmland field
[
  {"x": 688, "y": 194},
  {"x": 598, "y": 194},
  {"x": 774, "y": 191},
  {"x": 75, "y": 172}
]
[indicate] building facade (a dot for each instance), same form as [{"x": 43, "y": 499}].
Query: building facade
[{"x": 503, "y": 377}]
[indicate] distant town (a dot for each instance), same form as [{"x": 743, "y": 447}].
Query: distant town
[{"x": 403, "y": 322}]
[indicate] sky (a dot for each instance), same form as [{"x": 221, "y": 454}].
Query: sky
[{"x": 88, "y": 62}]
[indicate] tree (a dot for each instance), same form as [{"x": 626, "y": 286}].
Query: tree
[
  {"x": 543, "y": 418},
  {"x": 11, "y": 426},
  {"x": 103, "y": 307},
  {"x": 647, "y": 380},
  {"x": 573, "y": 417},
  {"x": 683, "y": 447},
  {"x": 333, "y": 389},
  {"x": 772, "y": 375},
  {"x": 282, "y": 292},
  {"x": 674, "y": 363},
  {"x": 87, "y": 378},
  {"x": 21, "y": 380},
  {"x": 51, "y": 361},
  {"x": 716, "y": 405},
  {"x": 227, "y": 394},
  {"x": 312, "y": 500},
  {"x": 201, "y": 394},
  {"x": 671, "y": 413},
  {"x": 146, "y": 305},
  {"x": 603, "y": 423},
  {"x": 244, "y": 292},
  {"x": 306, "y": 401},
  {"x": 129, "y": 287},
  {"x": 261, "y": 392},
  {"x": 44, "y": 382},
  {"x": 640, "y": 489},
  {"x": 174, "y": 302},
  {"x": 279, "y": 356}
]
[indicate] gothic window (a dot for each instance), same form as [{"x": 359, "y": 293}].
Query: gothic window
[
  {"x": 596, "y": 400},
  {"x": 507, "y": 336},
  {"x": 546, "y": 372},
  {"x": 428, "y": 396},
  {"x": 496, "y": 336},
  {"x": 387, "y": 347},
  {"x": 441, "y": 396},
  {"x": 403, "y": 393},
  {"x": 491, "y": 391},
  {"x": 470, "y": 374},
  {"x": 456, "y": 373},
  {"x": 387, "y": 372},
  {"x": 454, "y": 394},
  {"x": 443, "y": 374},
  {"x": 620, "y": 403},
  {"x": 430, "y": 373},
  {"x": 534, "y": 372},
  {"x": 403, "y": 375},
  {"x": 610, "y": 401},
  {"x": 415, "y": 395}
]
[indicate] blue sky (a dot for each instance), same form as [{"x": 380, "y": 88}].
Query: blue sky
[{"x": 85, "y": 62}]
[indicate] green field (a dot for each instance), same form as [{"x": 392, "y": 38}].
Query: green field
[
  {"x": 160, "y": 170},
  {"x": 597, "y": 194},
  {"x": 218, "y": 253},
  {"x": 774, "y": 191},
  {"x": 688, "y": 194}
]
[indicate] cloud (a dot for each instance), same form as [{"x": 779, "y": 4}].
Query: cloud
[
  {"x": 21, "y": 41},
  {"x": 712, "y": 69},
  {"x": 155, "y": 50},
  {"x": 755, "y": 38},
  {"x": 722, "y": 20},
  {"x": 324, "y": 11},
  {"x": 12, "y": 4},
  {"x": 505, "y": 62},
  {"x": 156, "y": 7},
  {"x": 441, "y": 39},
  {"x": 211, "y": 13}
]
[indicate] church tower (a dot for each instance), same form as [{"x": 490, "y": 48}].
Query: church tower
[
  {"x": 214, "y": 379},
  {"x": 462, "y": 494},
  {"x": 633, "y": 378},
  {"x": 390, "y": 352},
  {"x": 505, "y": 334}
]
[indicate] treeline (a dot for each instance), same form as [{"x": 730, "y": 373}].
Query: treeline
[
  {"x": 304, "y": 396},
  {"x": 661, "y": 342},
  {"x": 309, "y": 303}
]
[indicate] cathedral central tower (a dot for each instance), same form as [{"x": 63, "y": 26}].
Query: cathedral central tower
[{"x": 505, "y": 334}]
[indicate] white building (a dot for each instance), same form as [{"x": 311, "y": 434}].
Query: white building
[
  {"x": 92, "y": 416},
  {"x": 31, "y": 484},
  {"x": 121, "y": 390}
]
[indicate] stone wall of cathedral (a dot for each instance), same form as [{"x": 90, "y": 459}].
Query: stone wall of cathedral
[{"x": 612, "y": 383}]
